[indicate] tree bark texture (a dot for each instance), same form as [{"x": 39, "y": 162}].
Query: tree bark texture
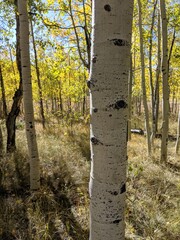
[
  {"x": 17, "y": 98},
  {"x": 1, "y": 143},
  {"x": 165, "y": 90},
  {"x": 143, "y": 79},
  {"x": 151, "y": 72},
  {"x": 177, "y": 147},
  {"x": 3, "y": 93},
  {"x": 108, "y": 83},
  {"x": 130, "y": 98},
  {"x": 41, "y": 105},
  {"x": 158, "y": 69},
  {"x": 27, "y": 95}
]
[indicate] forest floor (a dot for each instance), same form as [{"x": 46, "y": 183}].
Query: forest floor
[{"x": 60, "y": 210}]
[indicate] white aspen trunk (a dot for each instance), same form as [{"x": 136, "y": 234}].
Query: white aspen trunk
[
  {"x": 41, "y": 105},
  {"x": 151, "y": 75},
  {"x": 177, "y": 147},
  {"x": 1, "y": 143},
  {"x": 143, "y": 80},
  {"x": 27, "y": 96},
  {"x": 108, "y": 83},
  {"x": 158, "y": 69},
  {"x": 130, "y": 98},
  {"x": 165, "y": 109}
]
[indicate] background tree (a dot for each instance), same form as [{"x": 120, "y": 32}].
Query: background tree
[
  {"x": 165, "y": 73},
  {"x": 178, "y": 135},
  {"x": 3, "y": 93},
  {"x": 17, "y": 98},
  {"x": 1, "y": 143},
  {"x": 143, "y": 79}
]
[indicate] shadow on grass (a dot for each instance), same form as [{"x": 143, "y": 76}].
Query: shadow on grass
[
  {"x": 44, "y": 215},
  {"x": 83, "y": 143},
  {"x": 65, "y": 196}
]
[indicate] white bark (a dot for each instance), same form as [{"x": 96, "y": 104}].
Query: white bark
[
  {"x": 143, "y": 80},
  {"x": 27, "y": 95},
  {"x": 177, "y": 147},
  {"x": 130, "y": 98},
  {"x": 110, "y": 61},
  {"x": 1, "y": 142},
  {"x": 165, "y": 110}
]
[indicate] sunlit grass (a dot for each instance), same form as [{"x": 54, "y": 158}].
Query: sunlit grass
[{"x": 60, "y": 210}]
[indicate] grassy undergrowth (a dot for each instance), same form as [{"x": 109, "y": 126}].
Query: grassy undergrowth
[{"x": 60, "y": 210}]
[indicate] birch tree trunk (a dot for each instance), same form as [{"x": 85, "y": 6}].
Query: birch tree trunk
[
  {"x": 143, "y": 80},
  {"x": 1, "y": 143},
  {"x": 165, "y": 110},
  {"x": 108, "y": 83},
  {"x": 41, "y": 105},
  {"x": 27, "y": 95},
  {"x": 151, "y": 73},
  {"x": 158, "y": 69},
  {"x": 130, "y": 98},
  {"x": 177, "y": 147}
]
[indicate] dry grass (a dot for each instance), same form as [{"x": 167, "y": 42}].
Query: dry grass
[{"x": 60, "y": 209}]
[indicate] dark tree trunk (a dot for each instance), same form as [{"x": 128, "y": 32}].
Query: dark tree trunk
[
  {"x": 15, "y": 109},
  {"x": 3, "y": 94}
]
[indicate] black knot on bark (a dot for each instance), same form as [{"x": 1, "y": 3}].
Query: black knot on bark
[
  {"x": 107, "y": 7},
  {"x": 117, "y": 221},
  {"x": 123, "y": 188},
  {"x": 120, "y": 104},
  {"x": 119, "y": 42},
  {"x": 94, "y": 59},
  {"x": 90, "y": 83},
  {"x": 94, "y": 141},
  {"x": 115, "y": 193}
]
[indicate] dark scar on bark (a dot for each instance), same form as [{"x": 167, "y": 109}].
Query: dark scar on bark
[
  {"x": 119, "y": 42},
  {"x": 123, "y": 188},
  {"x": 120, "y": 104},
  {"x": 107, "y": 7},
  {"x": 117, "y": 221},
  {"x": 94, "y": 59},
  {"x": 90, "y": 83},
  {"x": 95, "y": 141}
]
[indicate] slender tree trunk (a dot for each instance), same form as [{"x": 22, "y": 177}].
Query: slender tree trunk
[
  {"x": 1, "y": 143},
  {"x": 60, "y": 99},
  {"x": 87, "y": 37},
  {"x": 12, "y": 64},
  {"x": 110, "y": 61},
  {"x": 171, "y": 48},
  {"x": 144, "y": 80},
  {"x": 165, "y": 110},
  {"x": 84, "y": 96},
  {"x": 151, "y": 73},
  {"x": 130, "y": 99},
  {"x": 177, "y": 147},
  {"x": 38, "y": 78},
  {"x": 3, "y": 93},
  {"x": 156, "y": 88},
  {"x": 17, "y": 98},
  {"x": 85, "y": 63},
  {"x": 27, "y": 90}
]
